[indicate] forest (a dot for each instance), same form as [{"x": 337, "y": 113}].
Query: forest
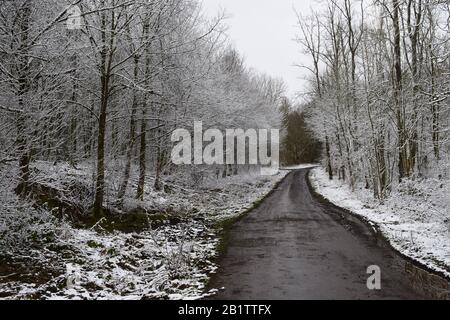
[
  {"x": 92, "y": 205},
  {"x": 378, "y": 101},
  {"x": 91, "y": 94},
  {"x": 379, "y": 89}
]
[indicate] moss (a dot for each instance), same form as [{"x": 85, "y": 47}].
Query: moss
[
  {"x": 111, "y": 252},
  {"x": 94, "y": 244}
]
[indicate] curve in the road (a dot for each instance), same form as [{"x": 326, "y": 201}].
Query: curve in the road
[{"x": 293, "y": 246}]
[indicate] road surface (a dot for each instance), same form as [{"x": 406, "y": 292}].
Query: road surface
[{"x": 294, "y": 247}]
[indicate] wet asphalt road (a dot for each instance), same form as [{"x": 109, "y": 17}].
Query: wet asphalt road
[{"x": 294, "y": 247}]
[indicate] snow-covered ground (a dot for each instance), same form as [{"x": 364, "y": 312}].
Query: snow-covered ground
[
  {"x": 301, "y": 166},
  {"x": 171, "y": 261},
  {"x": 415, "y": 219}
]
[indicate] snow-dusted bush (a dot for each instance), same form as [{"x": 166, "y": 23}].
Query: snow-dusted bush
[{"x": 23, "y": 227}]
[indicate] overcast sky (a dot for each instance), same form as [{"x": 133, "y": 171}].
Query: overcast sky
[{"x": 263, "y": 31}]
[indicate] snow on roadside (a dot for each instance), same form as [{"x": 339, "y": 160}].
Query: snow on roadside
[
  {"x": 415, "y": 219},
  {"x": 173, "y": 261},
  {"x": 301, "y": 166}
]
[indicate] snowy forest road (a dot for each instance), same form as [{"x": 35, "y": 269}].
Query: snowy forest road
[{"x": 295, "y": 247}]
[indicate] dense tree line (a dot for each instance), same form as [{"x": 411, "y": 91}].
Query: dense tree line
[
  {"x": 113, "y": 88},
  {"x": 379, "y": 98},
  {"x": 299, "y": 144}
]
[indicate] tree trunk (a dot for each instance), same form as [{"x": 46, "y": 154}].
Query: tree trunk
[
  {"x": 142, "y": 156},
  {"x": 24, "y": 86},
  {"x": 105, "y": 69},
  {"x": 398, "y": 88},
  {"x": 129, "y": 154},
  {"x": 143, "y": 134}
]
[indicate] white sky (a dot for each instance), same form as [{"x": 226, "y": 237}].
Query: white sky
[{"x": 263, "y": 31}]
